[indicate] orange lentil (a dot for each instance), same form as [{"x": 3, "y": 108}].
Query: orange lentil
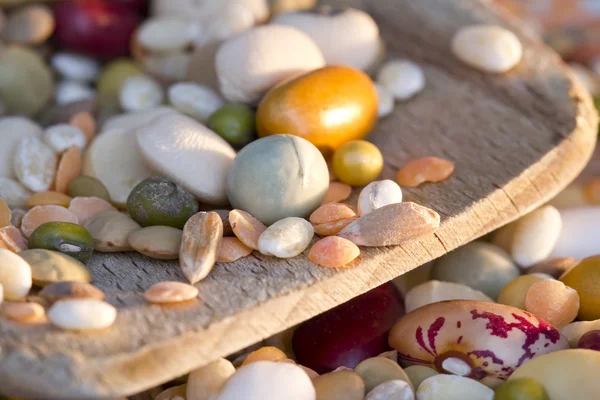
[
  {"x": 552, "y": 301},
  {"x": 266, "y": 353},
  {"x": 426, "y": 169},
  {"x": 39, "y": 215},
  {"x": 86, "y": 122},
  {"x": 46, "y": 198},
  {"x": 333, "y": 252},
  {"x": 331, "y": 212},
  {"x": 246, "y": 228},
  {"x": 232, "y": 249},
  {"x": 333, "y": 228},
  {"x": 69, "y": 168},
  {"x": 337, "y": 192}
]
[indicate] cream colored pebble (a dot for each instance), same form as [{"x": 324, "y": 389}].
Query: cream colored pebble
[
  {"x": 378, "y": 194},
  {"x": 168, "y": 67},
  {"x": 233, "y": 19},
  {"x": 205, "y": 382},
  {"x": 385, "y": 104},
  {"x": 160, "y": 242},
  {"x": 82, "y": 314},
  {"x": 13, "y": 193},
  {"x": 164, "y": 34},
  {"x": 453, "y": 387},
  {"x": 267, "y": 380},
  {"x": 67, "y": 92},
  {"x": 286, "y": 238},
  {"x": 579, "y": 234},
  {"x": 434, "y": 291},
  {"x": 35, "y": 164},
  {"x": 575, "y": 330},
  {"x": 402, "y": 78},
  {"x": 488, "y": 48},
  {"x": 139, "y": 93},
  {"x": 110, "y": 230},
  {"x": 391, "y": 390},
  {"x": 15, "y": 275},
  {"x": 195, "y": 100},
  {"x": 62, "y": 136},
  {"x": 531, "y": 238},
  {"x": 75, "y": 67}
]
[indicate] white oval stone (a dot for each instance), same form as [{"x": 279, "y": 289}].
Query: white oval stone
[
  {"x": 140, "y": 93},
  {"x": 349, "y": 37},
  {"x": 72, "y": 91},
  {"x": 189, "y": 153},
  {"x": 435, "y": 291},
  {"x": 391, "y": 390},
  {"x": 489, "y": 48},
  {"x": 385, "y": 104},
  {"x": 253, "y": 62},
  {"x": 82, "y": 314},
  {"x": 35, "y": 164},
  {"x": 286, "y": 238},
  {"x": 114, "y": 159},
  {"x": 15, "y": 275},
  {"x": 12, "y": 130},
  {"x": 164, "y": 34},
  {"x": 378, "y": 194},
  {"x": 195, "y": 100},
  {"x": 453, "y": 387},
  {"x": 267, "y": 380},
  {"x": 532, "y": 237},
  {"x": 62, "y": 136},
  {"x": 402, "y": 78},
  {"x": 13, "y": 193},
  {"x": 75, "y": 67},
  {"x": 579, "y": 235}
]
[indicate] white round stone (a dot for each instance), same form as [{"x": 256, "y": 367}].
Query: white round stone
[
  {"x": 82, "y": 314},
  {"x": 286, "y": 238},
  {"x": 75, "y": 67},
  {"x": 378, "y": 194},
  {"x": 489, "y": 48},
  {"x": 195, "y": 100},
  {"x": 62, "y": 136},
  {"x": 139, "y": 93},
  {"x": 267, "y": 380},
  {"x": 402, "y": 78}
]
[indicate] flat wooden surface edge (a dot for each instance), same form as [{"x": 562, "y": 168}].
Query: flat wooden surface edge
[{"x": 150, "y": 344}]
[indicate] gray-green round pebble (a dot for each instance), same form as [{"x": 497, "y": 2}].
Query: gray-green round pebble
[
  {"x": 482, "y": 266},
  {"x": 277, "y": 177}
]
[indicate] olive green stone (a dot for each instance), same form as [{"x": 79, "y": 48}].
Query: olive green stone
[
  {"x": 158, "y": 201},
  {"x": 88, "y": 186},
  {"x": 482, "y": 266},
  {"x": 49, "y": 266},
  {"x": 65, "y": 237},
  {"x": 235, "y": 123},
  {"x": 521, "y": 389}
]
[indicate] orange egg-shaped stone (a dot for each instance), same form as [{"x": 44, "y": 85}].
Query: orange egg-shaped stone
[{"x": 328, "y": 107}]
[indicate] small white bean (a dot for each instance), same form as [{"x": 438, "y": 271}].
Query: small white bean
[
  {"x": 165, "y": 34},
  {"x": 75, "y": 67},
  {"x": 453, "y": 387},
  {"x": 385, "y": 104},
  {"x": 402, "y": 78},
  {"x": 195, "y": 100},
  {"x": 488, "y": 48},
  {"x": 71, "y": 91},
  {"x": 62, "y": 136},
  {"x": 579, "y": 235},
  {"x": 378, "y": 194},
  {"x": 139, "y": 93},
  {"x": 286, "y": 238},
  {"x": 82, "y": 314}
]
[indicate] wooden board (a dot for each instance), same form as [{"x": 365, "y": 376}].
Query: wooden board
[{"x": 516, "y": 139}]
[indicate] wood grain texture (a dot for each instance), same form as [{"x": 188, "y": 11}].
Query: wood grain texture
[{"x": 517, "y": 139}]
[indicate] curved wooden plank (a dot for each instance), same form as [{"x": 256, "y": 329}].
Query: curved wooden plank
[{"x": 517, "y": 140}]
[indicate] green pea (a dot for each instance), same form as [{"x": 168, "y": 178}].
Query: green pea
[
  {"x": 235, "y": 123},
  {"x": 158, "y": 201},
  {"x": 64, "y": 237},
  {"x": 87, "y": 186},
  {"x": 521, "y": 389}
]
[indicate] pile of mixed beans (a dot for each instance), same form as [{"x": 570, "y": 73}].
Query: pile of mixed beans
[{"x": 202, "y": 131}]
